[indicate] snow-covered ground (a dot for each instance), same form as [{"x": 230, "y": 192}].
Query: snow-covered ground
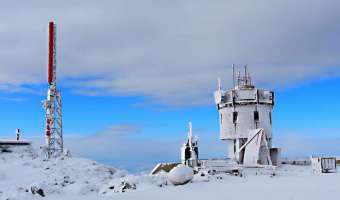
[{"x": 82, "y": 179}]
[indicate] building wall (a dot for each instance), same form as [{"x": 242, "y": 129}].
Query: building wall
[{"x": 245, "y": 103}]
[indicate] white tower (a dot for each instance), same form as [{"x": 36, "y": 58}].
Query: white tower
[{"x": 242, "y": 110}]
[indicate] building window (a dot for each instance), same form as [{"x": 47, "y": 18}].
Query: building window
[
  {"x": 235, "y": 114},
  {"x": 256, "y": 116},
  {"x": 270, "y": 118},
  {"x": 221, "y": 118}
]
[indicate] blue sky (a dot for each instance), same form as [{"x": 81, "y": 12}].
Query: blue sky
[
  {"x": 132, "y": 73},
  {"x": 118, "y": 124},
  {"x": 311, "y": 108}
]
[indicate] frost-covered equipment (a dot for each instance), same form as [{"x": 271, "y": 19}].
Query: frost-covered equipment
[
  {"x": 256, "y": 149},
  {"x": 242, "y": 109},
  {"x": 323, "y": 164},
  {"x": 218, "y": 166},
  {"x": 189, "y": 150},
  {"x": 17, "y": 134},
  {"x": 52, "y": 105}
]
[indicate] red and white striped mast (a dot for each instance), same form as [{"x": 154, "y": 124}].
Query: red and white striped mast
[{"x": 52, "y": 105}]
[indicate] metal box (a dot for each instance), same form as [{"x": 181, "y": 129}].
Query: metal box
[{"x": 323, "y": 164}]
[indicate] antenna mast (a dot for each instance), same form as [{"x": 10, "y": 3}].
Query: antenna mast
[
  {"x": 52, "y": 105},
  {"x": 245, "y": 75},
  {"x": 233, "y": 76},
  {"x": 190, "y": 133},
  {"x": 219, "y": 84}
]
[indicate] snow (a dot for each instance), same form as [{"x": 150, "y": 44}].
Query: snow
[
  {"x": 180, "y": 175},
  {"x": 23, "y": 169},
  {"x": 82, "y": 179}
]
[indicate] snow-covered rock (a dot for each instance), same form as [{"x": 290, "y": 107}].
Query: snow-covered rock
[
  {"x": 180, "y": 175},
  {"x": 23, "y": 172},
  {"x": 133, "y": 182}
]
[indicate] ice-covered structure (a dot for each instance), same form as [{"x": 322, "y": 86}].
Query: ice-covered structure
[
  {"x": 189, "y": 150},
  {"x": 9, "y": 145},
  {"x": 245, "y": 118}
]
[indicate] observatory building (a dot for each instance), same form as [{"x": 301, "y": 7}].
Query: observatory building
[{"x": 245, "y": 120}]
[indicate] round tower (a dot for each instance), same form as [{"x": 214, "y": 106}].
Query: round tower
[{"x": 242, "y": 109}]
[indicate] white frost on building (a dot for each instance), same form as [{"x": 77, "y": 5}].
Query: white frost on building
[{"x": 242, "y": 110}]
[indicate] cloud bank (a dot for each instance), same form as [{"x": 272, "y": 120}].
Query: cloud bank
[{"x": 169, "y": 51}]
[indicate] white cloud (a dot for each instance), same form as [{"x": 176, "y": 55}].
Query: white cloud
[
  {"x": 15, "y": 99},
  {"x": 169, "y": 51}
]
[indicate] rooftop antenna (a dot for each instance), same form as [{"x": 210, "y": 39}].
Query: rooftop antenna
[
  {"x": 219, "y": 83},
  {"x": 233, "y": 76},
  {"x": 245, "y": 75},
  {"x": 238, "y": 78},
  {"x": 190, "y": 133}
]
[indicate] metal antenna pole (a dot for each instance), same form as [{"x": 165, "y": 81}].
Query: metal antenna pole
[
  {"x": 233, "y": 76},
  {"x": 190, "y": 133},
  {"x": 245, "y": 70},
  {"x": 52, "y": 105},
  {"x": 219, "y": 84},
  {"x": 245, "y": 75}
]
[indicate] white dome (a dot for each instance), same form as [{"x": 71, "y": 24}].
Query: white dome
[{"x": 181, "y": 175}]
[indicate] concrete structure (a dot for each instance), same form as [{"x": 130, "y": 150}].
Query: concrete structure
[
  {"x": 52, "y": 105},
  {"x": 242, "y": 109},
  {"x": 189, "y": 150}
]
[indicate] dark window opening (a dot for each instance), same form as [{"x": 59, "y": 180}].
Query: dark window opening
[
  {"x": 256, "y": 116},
  {"x": 235, "y": 114},
  {"x": 270, "y": 118},
  {"x": 221, "y": 118}
]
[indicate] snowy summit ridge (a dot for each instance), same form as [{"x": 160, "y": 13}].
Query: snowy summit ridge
[{"x": 24, "y": 175}]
